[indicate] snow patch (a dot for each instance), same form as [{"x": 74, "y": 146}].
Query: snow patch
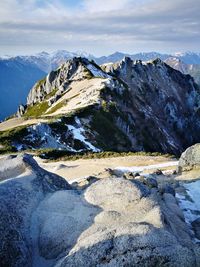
[
  {"x": 190, "y": 202},
  {"x": 97, "y": 72},
  {"x": 148, "y": 167},
  {"x": 78, "y": 133}
]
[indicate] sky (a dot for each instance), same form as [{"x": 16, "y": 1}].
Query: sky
[{"x": 99, "y": 27}]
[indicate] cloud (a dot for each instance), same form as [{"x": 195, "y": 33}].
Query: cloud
[
  {"x": 101, "y": 25},
  {"x": 105, "y": 6}
]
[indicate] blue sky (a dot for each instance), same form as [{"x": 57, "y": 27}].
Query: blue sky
[
  {"x": 67, "y": 3},
  {"x": 99, "y": 26}
]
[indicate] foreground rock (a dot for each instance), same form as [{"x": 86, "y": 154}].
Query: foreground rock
[
  {"x": 190, "y": 159},
  {"x": 113, "y": 222},
  {"x": 19, "y": 197}
]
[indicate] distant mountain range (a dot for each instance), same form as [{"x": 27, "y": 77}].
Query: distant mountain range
[
  {"x": 18, "y": 74},
  {"x": 49, "y": 61}
]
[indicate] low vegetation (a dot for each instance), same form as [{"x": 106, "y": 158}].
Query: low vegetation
[
  {"x": 10, "y": 136},
  {"x": 58, "y": 106},
  {"x": 41, "y": 82},
  {"x": 51, "y": 154},
  {"x": 36, "y": 110}
]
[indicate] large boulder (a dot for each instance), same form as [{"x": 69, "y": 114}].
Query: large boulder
[
  {"x": 134, "y": 227},
  {"x": 113, "y": 222},
  {"x": 23, "y": 185},
  {"x": 190, "y": 159}
]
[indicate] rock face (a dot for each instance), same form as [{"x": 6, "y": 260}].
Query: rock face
[
  {"x": 190, "y": 159},
  {"x": 153, "y": 83},
  {"x": 128, "y": 106},
  {"x": 196, "y": 227},
  {"x": 113, "y": 222},
  {"x": 192, "y": 69}
]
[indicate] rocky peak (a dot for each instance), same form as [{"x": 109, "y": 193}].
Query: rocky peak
[
  {"x": 157, "y": 61},
  {"x": 72, "y": 70}
]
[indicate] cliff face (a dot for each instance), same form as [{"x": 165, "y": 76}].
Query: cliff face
[
  {"x": 163, "y": 104},
  {"x": 192, "y": 69},
  {"x": 126, "y": 106}
]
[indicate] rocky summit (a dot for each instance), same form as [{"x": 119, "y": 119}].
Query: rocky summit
[
  {"x": 125, "y": 106},
  {"x": 111, "y": 222}
]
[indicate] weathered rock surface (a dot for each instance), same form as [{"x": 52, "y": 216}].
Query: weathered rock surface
[
  {"x": 134, "y": 228},
  {"x": 113, "y": 222},
  {"x": 196, "y": 227},
  {"x": 152, "y": 83},
  {"x": 23, "y": 185},
  {"x": 190, "y": 159}
]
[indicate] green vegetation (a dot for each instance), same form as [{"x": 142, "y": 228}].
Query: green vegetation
[
  {"x": 9, "y": 136},
  {"x": 87, "y": 74},
  {"x": 51, "y": 94},
  {"x": 36, "y": 110},
  {"x": 40, "y": 82},
  {"x": 6, "y": 149},
  {"x": 39, "y": 108},
  {"x": 51, "y": 154},
  {"x": 10, "y": 117},
  {"x": 58, "y": 106},
  {"x": 109, "y": 136}
]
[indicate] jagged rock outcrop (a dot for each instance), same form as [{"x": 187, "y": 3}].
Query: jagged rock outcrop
[
  {"x": 192, "y": 69},
  {"x": 162, "y": 104},
  {"x": 190, "y": 159},
  {"x": 128, "y": 106},
  {"x": 75, "y": 69},
  {"x": 114, "y": 222},
  {"x": 21, "y": 110}
]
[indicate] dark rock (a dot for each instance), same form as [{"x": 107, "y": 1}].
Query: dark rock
[
  {"x": 168, "y": 189},
  {"x": 21, "y": 110},
  {"x": 196, "y": 227},
  {"x": 129, "y": 175},
  {"x": 151, "y": 182},
  {"x": 136, "y": 174},
  {"x": 158, "y": 172}
]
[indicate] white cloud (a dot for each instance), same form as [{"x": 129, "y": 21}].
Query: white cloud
[
  {"x": 105, "y": 6},
  {"x": 101, "y": 25}
]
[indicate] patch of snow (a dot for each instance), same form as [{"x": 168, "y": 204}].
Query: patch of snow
[
  {"x": 97, "y": 72},
  {"x": 19, "y": 147},
  {"x": 148, "y": 167},
  {"x": 190, "y": 203},
  {"x": 78, "y": 133}
]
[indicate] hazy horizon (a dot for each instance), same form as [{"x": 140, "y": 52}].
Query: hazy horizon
[{"x": 87, "y": 52}]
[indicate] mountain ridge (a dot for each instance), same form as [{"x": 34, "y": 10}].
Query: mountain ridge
[
  {"x": 44, "y": 62},
  {"x": 89, "y": 109}
]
